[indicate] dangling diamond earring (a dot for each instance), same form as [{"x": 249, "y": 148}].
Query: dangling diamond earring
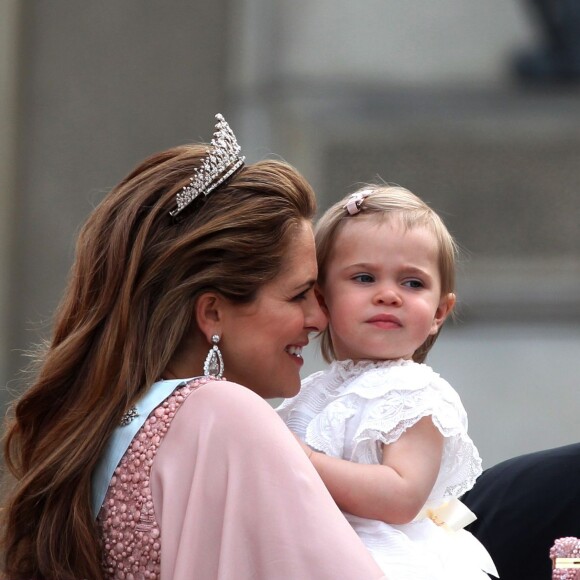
[{"x": 214, "y": 363}]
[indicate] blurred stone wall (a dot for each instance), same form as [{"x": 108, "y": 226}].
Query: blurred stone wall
[
  {"x": 9, "y": 27},
  {"x": 424, "y": 95},
  {"x": 100, "y": 86},
  {"x": 409, "y": 91}
]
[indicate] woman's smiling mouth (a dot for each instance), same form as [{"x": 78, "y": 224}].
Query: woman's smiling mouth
[{"x": 294, "y": 351}]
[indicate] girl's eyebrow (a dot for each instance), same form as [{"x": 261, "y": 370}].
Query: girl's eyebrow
[
  {"x": 361, "y": 265},
  {"x": 415, "y": 270}
]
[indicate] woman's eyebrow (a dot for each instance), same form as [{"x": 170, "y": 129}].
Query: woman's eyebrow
[{"x": 305, "y": 285}]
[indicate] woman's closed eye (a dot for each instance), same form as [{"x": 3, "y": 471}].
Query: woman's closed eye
[{"x": 302, "y": 296}]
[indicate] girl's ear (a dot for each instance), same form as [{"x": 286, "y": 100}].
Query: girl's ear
[
  {"x": 320, "y": 297},
  {"x": 446, "y": 305},
  {"x": 208, "y": 313}
]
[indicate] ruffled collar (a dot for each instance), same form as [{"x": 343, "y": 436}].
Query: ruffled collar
[
  {"x": 340, "y": 375},
  {"x": 350, "y": 366}
]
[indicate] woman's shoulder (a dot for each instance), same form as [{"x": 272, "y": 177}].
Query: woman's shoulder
[
  {"x": 227, "y": 402},
  {"x": 212, "y": 388},
  {"x": 229, "y": 393}
]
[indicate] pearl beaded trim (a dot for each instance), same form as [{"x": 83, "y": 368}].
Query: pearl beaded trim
[{"x": 130, "y": 534}]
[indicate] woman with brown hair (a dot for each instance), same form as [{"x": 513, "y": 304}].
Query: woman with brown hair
[{"x": 132, "y": 456}]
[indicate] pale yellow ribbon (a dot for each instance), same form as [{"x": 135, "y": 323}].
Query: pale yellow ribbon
[{"x": 453, "y": 515}]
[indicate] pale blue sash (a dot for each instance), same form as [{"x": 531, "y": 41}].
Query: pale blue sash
[{"x": 123, "y": 435}]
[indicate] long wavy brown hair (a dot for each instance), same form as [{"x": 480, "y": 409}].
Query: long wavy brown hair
[{"x": 127, "y": 307}]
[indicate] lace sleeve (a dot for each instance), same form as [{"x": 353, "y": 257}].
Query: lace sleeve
[
  {"x": 388, "y": 418},
  {"x": 381, "y": 404}
]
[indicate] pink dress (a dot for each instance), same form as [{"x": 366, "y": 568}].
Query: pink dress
[{"x": 214, "y": 486}]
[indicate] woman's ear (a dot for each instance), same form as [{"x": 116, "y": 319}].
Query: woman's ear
[
  {"x": 446, "y": 305},
  {"x": 208, "y": 313}
]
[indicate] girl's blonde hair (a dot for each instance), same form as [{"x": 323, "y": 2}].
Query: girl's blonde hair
[
  {"x": 129, "y": 304},
  {"x": 382, "y": 202}
]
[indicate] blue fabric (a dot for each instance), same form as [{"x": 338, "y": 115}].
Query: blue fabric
[{"x": 123, "y": 435}]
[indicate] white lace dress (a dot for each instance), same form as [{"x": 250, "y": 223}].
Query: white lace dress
[{"x": 350, "y": 411}]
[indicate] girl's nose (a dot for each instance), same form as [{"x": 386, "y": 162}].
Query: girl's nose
[{"x": 388, "y": 295}]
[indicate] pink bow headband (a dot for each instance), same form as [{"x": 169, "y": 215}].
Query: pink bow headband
[{"x": 352, "y": 206}]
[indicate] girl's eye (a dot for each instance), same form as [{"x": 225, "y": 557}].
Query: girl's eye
[
  {"x": 364, "y": 278},
  {"x": 413, "y": 284}
]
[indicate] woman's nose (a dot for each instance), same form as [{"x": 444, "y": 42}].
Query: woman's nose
[{"x": 315, "y": 319}]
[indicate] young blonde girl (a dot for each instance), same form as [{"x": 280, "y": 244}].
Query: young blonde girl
[{"x": 385, "y": 432}]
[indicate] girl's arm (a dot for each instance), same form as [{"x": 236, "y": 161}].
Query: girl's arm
[{"x": 395, "y": 491}]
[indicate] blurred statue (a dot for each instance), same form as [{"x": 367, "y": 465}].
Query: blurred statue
[{"x": 557, "y": 57}]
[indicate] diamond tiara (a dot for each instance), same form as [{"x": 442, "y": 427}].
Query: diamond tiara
[{"x": 222, "y": 160}]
